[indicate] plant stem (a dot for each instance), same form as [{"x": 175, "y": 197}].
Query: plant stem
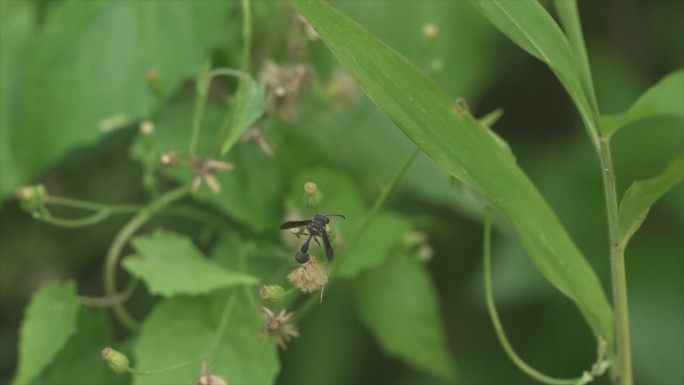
[
  {"x": 203, "y": 84},
  {"x": 120, "y": 241},
  {"x": 92, "y": 206},
  {"x": 227, "y": 72},
  {"x": 227, "y": 310},
  {"x": 246, "y": 36},
  {"x": 623, "y": 371},
  {"x": 530, "y": 371}
]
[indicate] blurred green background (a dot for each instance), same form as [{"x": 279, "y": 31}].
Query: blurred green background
[{"x": 65, "y": 65}]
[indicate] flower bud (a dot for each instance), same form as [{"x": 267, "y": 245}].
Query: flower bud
[
  {"x": 313, "y": 197},
  {"x": 147, "y": 128},
  {"x": 117, "y": 361},
  {"x": 425, "y": 253},
  {"x": 170, "y": 158},
  {"x": 429, "y": 31},
  {"x": 273, "y": 293},
  {"x": 31, "y": 198}
]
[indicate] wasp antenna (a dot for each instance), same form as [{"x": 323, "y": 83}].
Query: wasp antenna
[{"x": 336, "y": 215}]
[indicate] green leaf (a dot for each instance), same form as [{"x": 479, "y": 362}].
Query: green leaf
[
  {"x": 375, "y": 244},
  {"x": 465, "y": 149},
  {"x": 89, "y": 63},
  {"x": 527, "y": 23},
  {"x": 250, "y": 104},
  {"x": 170, "y": 265},
  {"x": 641, "y": 195},
  {"x": 183, "y": 329},
  {"x": 399, "y": 303},
  {"x": 665, "y": 98},
  {"x": 569, "y": 17},
  {"x": 49, "y": 322},
  {"x": 80, "y": 355}
]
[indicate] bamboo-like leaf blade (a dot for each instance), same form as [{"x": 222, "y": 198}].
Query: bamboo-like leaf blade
[
  {"x": 641, "y": 195},
  {"x": 665, "y": 98},
  {"x": 463, "y": 147}
]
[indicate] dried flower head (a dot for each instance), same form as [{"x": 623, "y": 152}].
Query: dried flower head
[
  {"x": 210, "y": 379},
  {"x": 285, "y": 85},
  {"x": 305, "y": 27},
  {"x": 278, "y": 327},
  {"x": 256, "y": 134},
  {"x": 341, "y": 88},
  {"x": 204, "y": 172},
  {"x": 309, "y": 276}
]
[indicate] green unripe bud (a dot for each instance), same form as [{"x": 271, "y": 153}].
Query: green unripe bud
[
  {"x": 272, "y": 293},
  {"x": 313, "y": 197},
  {"x": 117, "y": 361},
  {"x": 31, "y": 198}
]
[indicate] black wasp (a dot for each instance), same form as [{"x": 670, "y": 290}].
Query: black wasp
[{"x": 316, "y": 228}]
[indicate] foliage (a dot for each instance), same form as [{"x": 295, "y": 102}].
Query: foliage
[{"x": 157, "y": 149}]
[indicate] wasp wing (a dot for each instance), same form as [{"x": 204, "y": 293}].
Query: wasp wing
[
  {"x": 293, "y": 224},
  {"x": 328, "y": 247}
]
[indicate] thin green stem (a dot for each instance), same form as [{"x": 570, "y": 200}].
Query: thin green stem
[
  {"x": 119, "y": 298},
  {"x": 495, "y": 316},
  {"x": 227, "y": 72},
  {"x": 120, "y": 241},
  {"x": 203, "y": 82},
  {"x": 92, "y": 206},
  {"x": 168, "y": 368},
  {"x": 225, "y": 317},
  {"x": 246, "y": 36},
  {"x": 47, "y": 217},
  {"x": 623, "y": 368}
]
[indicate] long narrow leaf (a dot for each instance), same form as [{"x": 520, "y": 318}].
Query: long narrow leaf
[
  {"x": 465, "y": 149},
  {"x": 665, "y": 98},
  {"x": 641, "y": 195},
  {"x": 569, "y": 18}
]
